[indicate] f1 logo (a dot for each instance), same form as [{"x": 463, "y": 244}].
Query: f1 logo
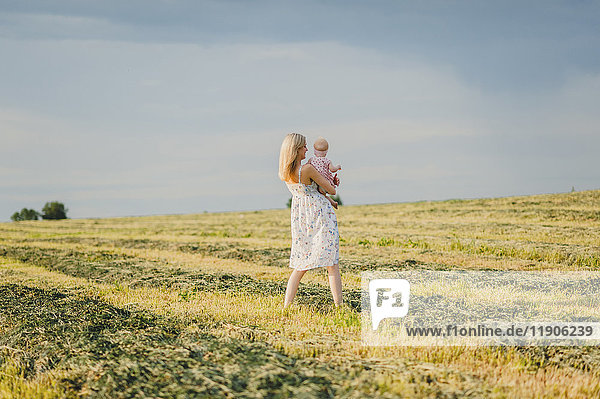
[{"x": 389, "y": 298}]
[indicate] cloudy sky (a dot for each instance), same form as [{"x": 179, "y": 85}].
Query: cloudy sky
[{"x": 144, "y": 107}]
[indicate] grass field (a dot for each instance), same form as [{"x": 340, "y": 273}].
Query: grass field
[{"x": 191, "y": 305}]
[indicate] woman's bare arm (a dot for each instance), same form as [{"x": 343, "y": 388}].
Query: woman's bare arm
[{"x": 311, "y": 172}]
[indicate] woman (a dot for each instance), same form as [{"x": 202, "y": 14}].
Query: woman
[{"x": 315, "y": 237}]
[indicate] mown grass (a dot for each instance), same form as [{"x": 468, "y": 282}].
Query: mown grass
[
  {"x": 107, "y": 267},
  {"x": 405, "y": 371},
  {"x": 128, "y": 350},
  {"x": 110, "y": 352},
  {"x": 14, "y": 382},
  {"x": 224, "y": 275}
]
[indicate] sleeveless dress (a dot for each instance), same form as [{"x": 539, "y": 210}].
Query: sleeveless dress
[{"x": 315, "y": 236}]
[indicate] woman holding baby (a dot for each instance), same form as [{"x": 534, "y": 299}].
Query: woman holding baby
[{"x": 315, "y": 236}]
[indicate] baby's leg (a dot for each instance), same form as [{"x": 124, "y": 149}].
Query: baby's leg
[{"x": 331, "y": 201}]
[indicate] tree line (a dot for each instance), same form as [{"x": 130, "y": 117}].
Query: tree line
[{"x": 51, "y": 211}]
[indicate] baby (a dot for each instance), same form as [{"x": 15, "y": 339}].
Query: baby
[{"x": 324, "y": 165}]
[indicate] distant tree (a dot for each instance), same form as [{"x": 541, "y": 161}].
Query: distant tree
[
  {"x": 289, "y": 203},
  {"x": 30, "y": 214},
  {"x": 25, "y": 214},
  {"x": 54, "y": 211}
]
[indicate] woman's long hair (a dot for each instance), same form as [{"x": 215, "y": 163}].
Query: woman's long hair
[{"x": 288, "y": 162}]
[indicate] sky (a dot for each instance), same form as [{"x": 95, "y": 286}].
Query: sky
[{"x": 127, "y": 108}]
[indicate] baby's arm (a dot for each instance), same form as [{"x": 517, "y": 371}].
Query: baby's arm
[
  {"x": 322, "y": 191},
  {"x": 335, "y": 168}
]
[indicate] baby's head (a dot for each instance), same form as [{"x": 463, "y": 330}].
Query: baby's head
[{"x": 321, "y": 146}]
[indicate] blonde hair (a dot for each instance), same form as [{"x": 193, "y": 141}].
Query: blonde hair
[{"x": 288, "y": 156}]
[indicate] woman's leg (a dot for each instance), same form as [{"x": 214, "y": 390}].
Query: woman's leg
[
  {"x": 335, "y": 283},
  {"x": 292, "y": 286}
]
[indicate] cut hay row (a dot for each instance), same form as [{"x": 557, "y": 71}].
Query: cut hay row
[
  {"x": 100, "y": 350},
  {"x": 373, "y": 237},
  {"x": 269, "y": 256},
  {"x": 415, "y": 372},
  {"x": 384, "y": 254},
  {"x": 107, "y": 267}
]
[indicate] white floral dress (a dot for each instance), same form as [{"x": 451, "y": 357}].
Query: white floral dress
[{"x": 315, "y": 236}]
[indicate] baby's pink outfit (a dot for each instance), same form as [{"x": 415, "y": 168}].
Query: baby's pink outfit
[{"x": 321, "y": 164}]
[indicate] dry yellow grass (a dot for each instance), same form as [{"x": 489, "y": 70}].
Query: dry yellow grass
[
  {"x": 14, "y": 385},
  {"x": 560, "y": 232}
]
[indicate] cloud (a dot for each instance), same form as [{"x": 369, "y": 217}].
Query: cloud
[
  {"x": 221, "y": 88},
  {"x": 119, "y": 112},
  {"x": 500, "y": 46}
]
